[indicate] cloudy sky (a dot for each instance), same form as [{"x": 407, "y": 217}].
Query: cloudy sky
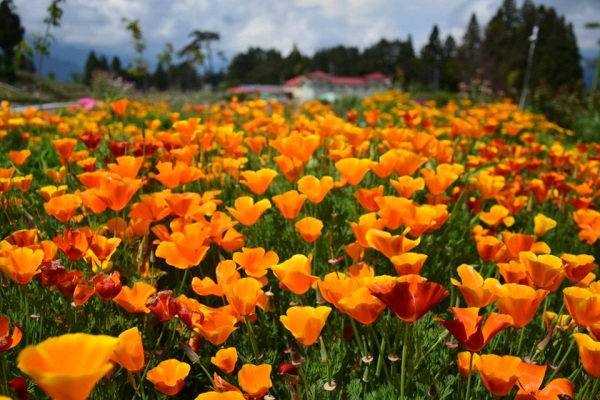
[{"x": 310, "y": 24}]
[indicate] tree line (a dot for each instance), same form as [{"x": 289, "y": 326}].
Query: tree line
[{"x": 496, "y": 53}]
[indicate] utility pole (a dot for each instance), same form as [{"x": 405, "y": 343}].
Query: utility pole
[{"x": 532, "y": 41}]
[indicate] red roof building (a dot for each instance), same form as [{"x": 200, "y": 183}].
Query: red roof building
[{"x": 320, "y": 85}]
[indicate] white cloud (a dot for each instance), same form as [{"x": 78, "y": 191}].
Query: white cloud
[{"x": 310, "y": 24}]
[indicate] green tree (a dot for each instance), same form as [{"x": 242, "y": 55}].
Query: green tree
[
  {"x": 469, "y": 52},
  {"x": 42, "y": 43},
  {"x": 11, "y": 34},
  {"x": 200, "y": 50},
  {"x": 431, "y": 58},
  {"x": 138, "y": 69},
  {"x": 339, "y": 60},
  {"x": 165, "y": 58},
  {"x": 116, "y": 67},
  {"x": 295, "y": 64}
]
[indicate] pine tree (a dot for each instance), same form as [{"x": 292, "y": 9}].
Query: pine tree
[
  {"x": 469, "y": 52},
  {"x": 11, "y": 34},
  {"x": 431, "y": 57}
]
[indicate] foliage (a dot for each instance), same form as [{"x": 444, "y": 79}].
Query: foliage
[
  {"x": 11, "y": 34},
  {"x": 157, "y": 195}
]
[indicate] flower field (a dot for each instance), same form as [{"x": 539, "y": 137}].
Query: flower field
[{"x": 265, "y": 250}]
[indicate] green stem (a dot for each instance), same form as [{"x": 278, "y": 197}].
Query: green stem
[
  {"x": 252, "y": 339},
  {"x": 467, "y": 395},
  {"x": 521, "y": 334},
  {"x": 562, "y": 362},
  {"x": 380, "y": 360},
  {"x": 595, "y": 388},
  {"x": 404, "y": 357},
  {"x": 361, "y": 346}
]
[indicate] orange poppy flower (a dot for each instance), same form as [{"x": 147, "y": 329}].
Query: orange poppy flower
[
  {"x": 365, "y": 223},
  {"x": 297, "y": 146},
  {"x": 63, "y": 207},
  {"x": 119, "y": 107},
  {"x": 168, "y": 376},
  {"x": 258, "y": 181},
  {"x": 554, "y": 321},
  {"x": 217, "y": 326},
  {"x": 514, "y": 272},
  {"x": 589, "y": 352},
  {"x": 291, "y": 167},
  {"x": 361, "y": 305},
  {"x": 63, "y": 373},
  {"x": 255, "y": 261},
  {"x": 246, "y": 211},
  {"x": 315, "y": 189},
  {"x": 499, "y": 374},
  {"x": 309, "y": 228},
  {"x": 231, "y": 395},
  {"x": 409, "y": 263},
  {"x": 366, "y": 197},
  {"x": 531, "y": 378},
  {"x": 389, "y": 245},
  {"x": 519, "y": 301},
  {"x": 225, "y": 359},
  {"x": 464, "y": 362},
  {"x": 406, "y": 185},
  {"x": 244, "y": 295},
  {"x": 476, "y": 291},
  {"x": 496, "y": 216},
  {"x": 294, "y": 274},
  {"x": 336, "y": 286},
  {"x": 8, "y": 342},
  {"x": 18, "y": 157},
  {"x": 255, "y": 379},
  {"x": 152, "y": 207},
  {"x": 171, "y": 176},
  {"x": 489, "y": 185},
  {"x": 100, "y": 251},
  {"x": 116, "y": 193},
  {"x": 134, "y": 300},
  {"x": 386, "y": 164},
  {"x": 577, "y": 267},
  {"x": 437, "y": 182},
  {"x": 290, "y": 203},
  {"x": 129, "y": 352},
  {"x": 305, "y": 323},
  {"x": 488, "y": 247},
  {"x": 583, "y": 304},
  {"x": 353, "y": 170},
  {"x": 21, "y": 264},
  {"x": 546, "y": 271},
  {"x": 407, "y": 162},
  {"x": 57, "y": 176},
  {"x": 256, "y": 144},
  {"x": 185, "y": 249},
  {"x": 190, "y": 205},
  {"x": 48, "y": 192},
  {"x": 542, "y": 224},
  {"x": 468, "y": 330},
  {"x": 518, "y": 242},
  {"x": 64, "y": 148},
  {"x": 409, "y": 296},
  {"x": 126, "y": 166}
]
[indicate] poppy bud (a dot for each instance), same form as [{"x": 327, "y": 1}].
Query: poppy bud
[
  {"x": 68, "y": 282},
  {"x": 107, "y": 286},
  {"x": 51, "y": 273},
  {"x": 19, "y": 385},
  {"x": 163, "y": 305},
  {"x": 189, "y": 317}
]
